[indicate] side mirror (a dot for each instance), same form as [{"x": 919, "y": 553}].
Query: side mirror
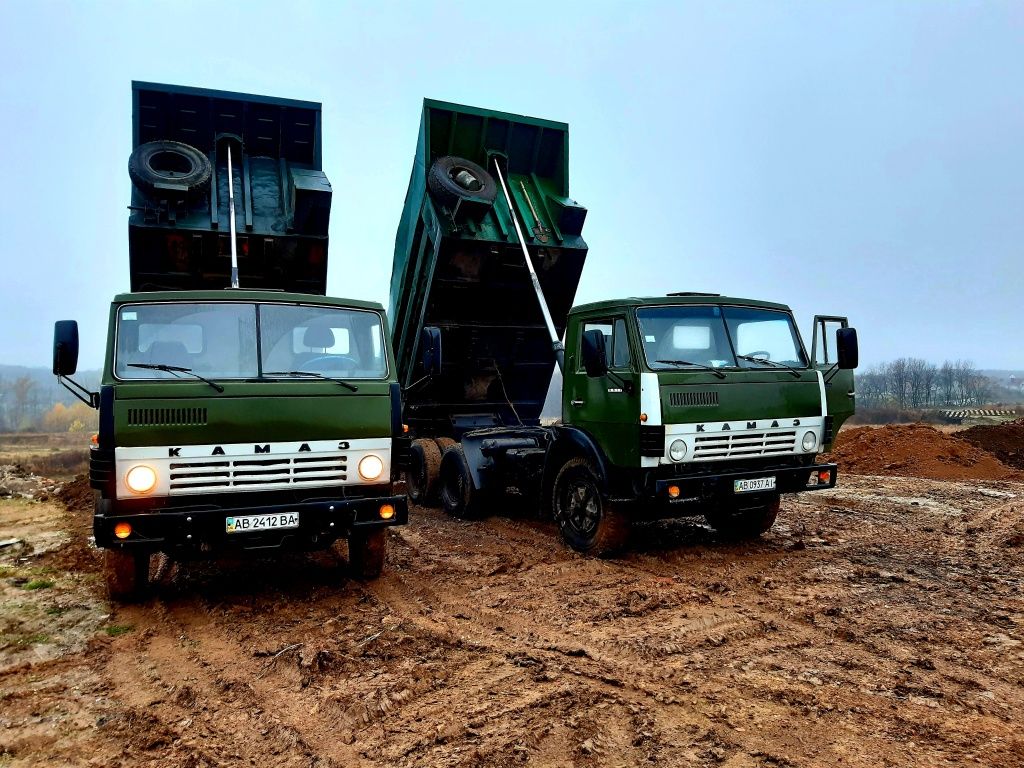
[
  {"x": 594, "y": 353},
  {"x": 430, "y": 351},
  {"x": 65, "y": 347},
  {"x": 846, "y": 348}
]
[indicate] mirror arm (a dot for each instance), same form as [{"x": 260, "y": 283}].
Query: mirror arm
[
  {"x": 416, "y": 383},
  {"x": 92, "y": 399}
]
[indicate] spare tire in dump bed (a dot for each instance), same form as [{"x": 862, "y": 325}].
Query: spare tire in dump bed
[
  {"x": 157, "y": 167},
  {"x": 454, "y": 178}
]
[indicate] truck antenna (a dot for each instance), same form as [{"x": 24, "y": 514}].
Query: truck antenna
[
  {"x": 556, "y": 343},
  {"x": 231, "y": 219}
]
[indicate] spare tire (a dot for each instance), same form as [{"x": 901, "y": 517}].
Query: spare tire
[
  {"x": 454, "y": 178},
  {"x": 158, "y": 167}
]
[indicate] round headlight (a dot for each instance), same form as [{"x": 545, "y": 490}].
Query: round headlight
[
  {"x": 810, "y": 441},
  {"x": 677, "y": 450},
  {"x": 370, "y": 467},
  {"x": 140, "y": 479}
]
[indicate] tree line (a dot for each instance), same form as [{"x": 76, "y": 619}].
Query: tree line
[
  {"x": 32, "y": 401},
  {"x": 910, "y": 382}
]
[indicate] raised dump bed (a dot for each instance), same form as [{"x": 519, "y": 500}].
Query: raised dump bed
[
  {"x": 178, "y": 230},
  {"x": 459, "y": 267}
]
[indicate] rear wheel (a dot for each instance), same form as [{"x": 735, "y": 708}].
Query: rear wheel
[
  {"x": 126, "y": 574},
  {"x": 459, "y": 496},
  {"x": 737, "y": 522},
  {"x": 424, "y": 466},
  {"x": 366, "y": 553},
  {"x": 589, "y": 522},
  {"x": 444, "y": 443}
]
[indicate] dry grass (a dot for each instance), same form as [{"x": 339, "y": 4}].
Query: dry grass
[{"x": 50, "y": 455}]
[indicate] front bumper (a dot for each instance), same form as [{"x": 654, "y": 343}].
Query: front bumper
[
  {"x": 696, "y": 492},
  {"x": 203, "y": 529}
]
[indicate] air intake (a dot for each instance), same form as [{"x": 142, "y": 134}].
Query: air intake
[
  {"x": 166, "y": 417},
  {"x": 690, "y": 399}
]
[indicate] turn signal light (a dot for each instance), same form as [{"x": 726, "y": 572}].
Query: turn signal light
[
  {"x": 673, "y": 491},
  {"x": 405, "y": 429},
  {"x": 643, "y": 418},
  {"x": 386, "y": 511},
  {"x": 825, "y": 477},
  {"x": 95, "y": 440},
  {"x": 123, "y": 530}
]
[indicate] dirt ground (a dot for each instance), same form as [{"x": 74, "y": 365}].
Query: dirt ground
[{"x": 876, "y": 624}]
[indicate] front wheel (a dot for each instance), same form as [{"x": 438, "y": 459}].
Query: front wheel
[
  {"x": 366, "y": 553},
  {"x": 748, "y": 522},
  {"x": 590, "y": 523},
  {"x": 126, "y": 574}
]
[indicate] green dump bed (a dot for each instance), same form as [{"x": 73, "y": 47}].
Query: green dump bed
[
  {"x": 458, "y": 266},
  {"x": 178, "y": 229}
]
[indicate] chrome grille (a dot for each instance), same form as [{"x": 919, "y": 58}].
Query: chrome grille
[
  {"x": 221, "y": 473},
  {"x": 743, "y": 444}
]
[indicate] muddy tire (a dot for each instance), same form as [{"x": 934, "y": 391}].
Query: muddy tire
[
  {"x": 169, "y": 162},
  {"x": 459, "y": 496},
  {"x": 424, "y": 468},
  {"x": 454, "y": 178},
  {"x": 366, "y": 553},
  {"x": 444, "y": 443},
  {"x": 589, "y": 522},
  {"x": 741, "y": 523},
  {"x": 126, "y": 574}
]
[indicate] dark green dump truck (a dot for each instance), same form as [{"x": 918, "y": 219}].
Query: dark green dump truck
[
  {"x": 240, "y": 408},
  {"x": 680, "y": 405}
]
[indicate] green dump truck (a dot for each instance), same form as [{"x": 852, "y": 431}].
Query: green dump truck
[
  {"x": 679, "y": 405},
  {"x": 240, "y": 408}
]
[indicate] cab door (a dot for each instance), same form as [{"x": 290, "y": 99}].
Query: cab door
[
  {"x": 840, "y": 394},
  {"x": 606, "y": 406}
]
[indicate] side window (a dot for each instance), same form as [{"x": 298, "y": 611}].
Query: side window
[
  {"x": 825, "y": 340},
  {"x": 605, "y": 326},
  {"x": 620, "y": 345}
]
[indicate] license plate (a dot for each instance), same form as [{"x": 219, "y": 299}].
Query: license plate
[
  {"x": 754, "y": 484},
  {"x": 248, "y": 523}
]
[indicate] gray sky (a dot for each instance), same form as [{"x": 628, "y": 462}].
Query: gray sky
[{"x": 855, "y": 158}]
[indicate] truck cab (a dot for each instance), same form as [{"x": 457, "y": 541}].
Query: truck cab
[{"x": 240, "y": 408}]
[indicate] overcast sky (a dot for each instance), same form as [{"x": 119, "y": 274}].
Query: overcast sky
[{"x": 863, "y": 159}]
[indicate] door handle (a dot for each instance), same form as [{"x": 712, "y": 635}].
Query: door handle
[
  {"x": 577, "y": 403},
  {"x": 851, "y": 393}
]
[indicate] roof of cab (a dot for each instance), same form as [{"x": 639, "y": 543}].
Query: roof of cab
[
  {"x": 236, "y": 294},
  {"x": 633, "y": 302}
]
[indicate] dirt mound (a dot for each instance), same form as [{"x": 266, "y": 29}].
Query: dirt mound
[
  {"x": 915, "y": 450},
  {"x": 77, "y": 494},
  {"x": 16, "y": 481},
  {"x": 1006, "y": 441}
]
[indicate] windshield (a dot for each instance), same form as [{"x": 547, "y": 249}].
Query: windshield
[
  {"x": 681, "y": 336},
  {"x": 218, "y": 340}
]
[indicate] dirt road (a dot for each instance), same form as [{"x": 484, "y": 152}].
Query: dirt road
[{"x": 877, "y": 624}]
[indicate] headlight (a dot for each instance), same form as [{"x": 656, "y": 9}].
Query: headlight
[
  {"x": 677, "y": 450},
  {"x": 140, "y": 479},
  {"x": 810, "y": 441},
  {"x": 370, "y": 467}
]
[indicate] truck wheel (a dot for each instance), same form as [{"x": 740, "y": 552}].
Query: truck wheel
[
  {"x": 453, "y": 178},
  {"x": 458, "y": 495},
  {"x": 168, "y": 162},
  {"x": 444, "y": 443},
  {"x": 126, "y": 574},
  {"x": 589, "y": 522},
  {"x": 424, "y": 466},
  {"x": 738, "y": 524},
  {"x": 366, "y": 551}
]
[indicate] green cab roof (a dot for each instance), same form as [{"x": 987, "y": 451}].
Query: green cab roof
[
  {"x": 633, "y": 302},
  {"x": 234, "y": 294}
]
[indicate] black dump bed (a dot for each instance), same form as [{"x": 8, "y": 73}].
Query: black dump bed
[
  {"x": 458, "y": 266},
  {"x": 178, "y": 229}
]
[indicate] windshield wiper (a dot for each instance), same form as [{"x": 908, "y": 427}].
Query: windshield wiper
[
  {"x": 175, "y": 369},
  {"x": 315, "y": 375},
  {"x": 715, "y": 371},
  {"x": 777, "y": 364}
]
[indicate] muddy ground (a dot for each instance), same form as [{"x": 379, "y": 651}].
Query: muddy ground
[{"x": 876, "y": 624}]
